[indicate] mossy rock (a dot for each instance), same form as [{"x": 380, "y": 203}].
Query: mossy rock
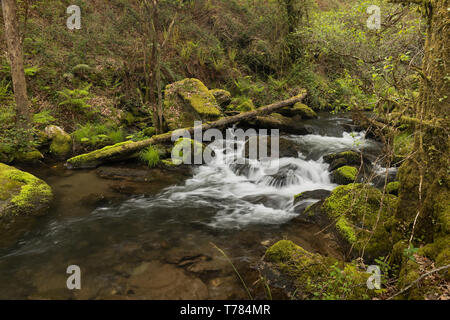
[
  {"x": 393, "y": 187},
  {"x": 187, "y": 101},
  {"x": 355, "y": 209},
  {"x": 61, "y": 142},
  {"x": 299, "y": 109},
  {"x": 344, "y": 175},
  {"x": 21, "y": 193},
  {"x": 316, "y": 276},
  {"x": 31, "y": 156},
  {"x": 223, "y": 97},
  {"x": 350, "y": 157}
]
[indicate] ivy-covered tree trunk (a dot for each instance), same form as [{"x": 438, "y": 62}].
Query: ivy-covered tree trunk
[
  {"x": 424, "y": 199},
  {"x": 14, "y": 42}
]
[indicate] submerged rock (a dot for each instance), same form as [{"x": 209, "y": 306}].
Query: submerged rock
[
  {"x": 21, "y": 193},
  {"x": 155, "y": 280},
  {"x": 319, "y": 194},
  {"x": 187, "y": 101},
  {"x": 306, "y": 275}
]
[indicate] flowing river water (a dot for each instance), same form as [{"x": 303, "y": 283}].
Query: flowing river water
[{"x": 148, "y": 234}]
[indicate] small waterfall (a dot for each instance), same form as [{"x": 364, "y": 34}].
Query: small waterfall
[{"x": 247, "y": 191}]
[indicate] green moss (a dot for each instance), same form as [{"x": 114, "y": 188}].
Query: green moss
[
  {"x": 403, "y": 144},
  {"x": 350, "y": 157},
  {"x": 305, "y": 111},
  {"x": 346, "y": 230},
  {"x": 316, "y": 276},
  {"x": 392, "y": 187},
  {"x": 61, "y": 145},
  {"x": 61, "y": 142},
  {"x": 93, "y": 159},
  {"x": 29, "y": 156},
  {"x": 168, "y": 163},
  {"x": 355, "y": 209},
  {"x": 344, "y": 175},
  {"x": 298, "y": 196},
  {"x": 241, "y": 104},
  {"x": 21, "y": 192},
  {"x": 283, "y": 251},
  {"x": 186, "y": 101}
]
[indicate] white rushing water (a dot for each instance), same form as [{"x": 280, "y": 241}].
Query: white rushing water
[{"x": 250, "y": 193}]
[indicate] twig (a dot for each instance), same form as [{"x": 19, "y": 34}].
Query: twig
[{"x": 418, "y": 280}]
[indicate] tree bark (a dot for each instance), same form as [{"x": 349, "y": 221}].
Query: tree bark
[
  {"x": 15, "y": 51},
  {"x": 124, "y": 150},
  {"x": 424, "y": 192}
]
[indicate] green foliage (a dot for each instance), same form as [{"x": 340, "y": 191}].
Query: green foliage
[
  {"x": 43, "y": 118},
  {"x": 75, "y": 100},
  {"x": 150, "y": 156},
  {"x": 14, "y": 140},
  {"x": 31, "y": 71},
  {"x": 98, "y": 135},
  {"x": 410, "y": 252},
  {"x": 5, "y": 91}
]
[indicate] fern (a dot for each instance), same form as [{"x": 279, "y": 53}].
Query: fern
[{"x": 76, "y": 99}]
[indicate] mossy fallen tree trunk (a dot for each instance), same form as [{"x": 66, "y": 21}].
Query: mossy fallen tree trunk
[{"x": 127, "y": 149}]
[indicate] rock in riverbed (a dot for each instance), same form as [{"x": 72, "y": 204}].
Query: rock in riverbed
[{"x": 21, "y": 193}]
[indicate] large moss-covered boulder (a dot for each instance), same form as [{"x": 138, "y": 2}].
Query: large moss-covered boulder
[
  {"x": 363, "y": 217},
  {"x": 315, "y": 276},
  {"x": 61, "y": 142},
  {"x": 344, "y": 175},
  {"x": 21, "y": 193},
  {"x": 354, "y": 211},
  {"x": 187, "y": 101}
]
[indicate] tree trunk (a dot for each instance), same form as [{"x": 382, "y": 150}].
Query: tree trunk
[
  {"x": 126, "y": 149},
  {"x": 15, "y": 51},
  {"x": 424, "y": 192}
]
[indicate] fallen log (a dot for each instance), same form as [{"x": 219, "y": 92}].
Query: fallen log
[{"x": 127, "y": 149}]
